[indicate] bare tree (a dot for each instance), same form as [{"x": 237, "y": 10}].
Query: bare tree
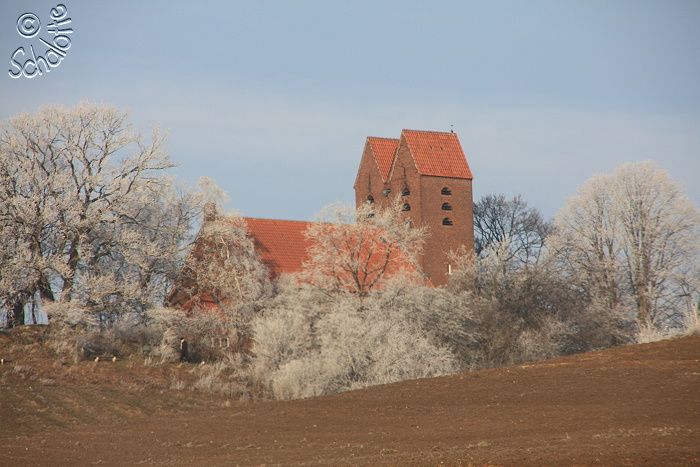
[
  {"x": 634, "y": 237},
  {"x": 499, "y": 221}
]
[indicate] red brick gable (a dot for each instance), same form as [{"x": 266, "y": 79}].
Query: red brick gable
[
  {"x": 281, "y": 244},
  {"x": 437, "y": 153},
  {"x": 383, "y": 150}
]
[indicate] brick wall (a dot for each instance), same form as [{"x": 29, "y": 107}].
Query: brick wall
[
  {"x": 404, "y": 174},
  {"x": 445, "y": 238},
  {"x": 369, "y": 180}
]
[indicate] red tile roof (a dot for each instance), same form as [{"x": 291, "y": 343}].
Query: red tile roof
[
  {"x": 383, "y": 150},
  {"x": 281, "y": 244},
  {"x": 283, "y": 248},
  {"x": 437, "y": 153}
]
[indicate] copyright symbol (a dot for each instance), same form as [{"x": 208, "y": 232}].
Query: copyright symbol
[{"x": 28, "y": 25}]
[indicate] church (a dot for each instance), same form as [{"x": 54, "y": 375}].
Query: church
[{"x": 428, "y": 170}]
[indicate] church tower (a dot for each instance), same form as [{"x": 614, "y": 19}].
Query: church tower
[{"x": 429, "y": 171}]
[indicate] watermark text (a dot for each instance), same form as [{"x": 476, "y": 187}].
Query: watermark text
[{"x": 25, "y": 61}]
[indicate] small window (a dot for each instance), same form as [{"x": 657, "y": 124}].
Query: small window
[
  {"x": 446, "y": 207},
  {"x": 386, "y": 192},
  {"x": 445, "y": 191},
  {"x": 447, "y": 221},
  {"x": 370, "y": 199},
  {"x": 405, "y": 191},
  {"x": 406, "y": 207}
]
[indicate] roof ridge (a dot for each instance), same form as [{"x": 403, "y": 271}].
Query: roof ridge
[
  {"x": 430, "y": 131},
  {"x": 383, "y": 137},
  {"x": 276, "y": 220}
]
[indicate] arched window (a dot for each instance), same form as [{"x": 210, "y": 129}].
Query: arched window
[
  {"x": 446, "y": 207},
  {"x": 370, "y": 199},
  {"x": 406, "y": 207},
  {"x": 445, "y": 191},
  {"x": 405, "y": 191},
  {"x": 447, "y": 221}
]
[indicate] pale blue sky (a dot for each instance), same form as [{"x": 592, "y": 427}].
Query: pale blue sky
[{"x": 274, "y": 99}]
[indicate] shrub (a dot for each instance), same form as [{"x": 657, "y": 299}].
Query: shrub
[
  {"x": 308, "y": 344},
  {"x": 75, "y": 331},
  {"x": 650, "y": 333},
  {"x": 221, "y": 377},
  {"x": 691, "y": 323},
  {"x": 70, "y": 325},
  {"x": 525, "y": 313}
]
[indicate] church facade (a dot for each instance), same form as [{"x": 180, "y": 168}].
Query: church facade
[{"x": 430, "y": 172}]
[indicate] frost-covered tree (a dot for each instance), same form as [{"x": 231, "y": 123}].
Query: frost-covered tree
[
  {"x": 587, "y": 243},
  {"x": 223, "y": 267},
  {"x": 87, "y": 210},
  {"x": 633, "y": 238},
  {"x": 359, "y": 313},
  {"x": 358, "y": 249},
  {"x": 309, "y": 343},
  {"x": 223, "y": 276}
]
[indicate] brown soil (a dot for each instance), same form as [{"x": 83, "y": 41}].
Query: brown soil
[{"x": 635, "y": 405}]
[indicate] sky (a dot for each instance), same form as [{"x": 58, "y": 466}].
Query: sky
[{"x": 274, "y": 100}]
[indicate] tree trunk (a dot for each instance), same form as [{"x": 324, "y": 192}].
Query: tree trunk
[
  {"x": 73, "y": 259},
  {"x": 643, "y": 306},
  {"x": 45, "y": 289},
  {"x": 16, "y": 315}
]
